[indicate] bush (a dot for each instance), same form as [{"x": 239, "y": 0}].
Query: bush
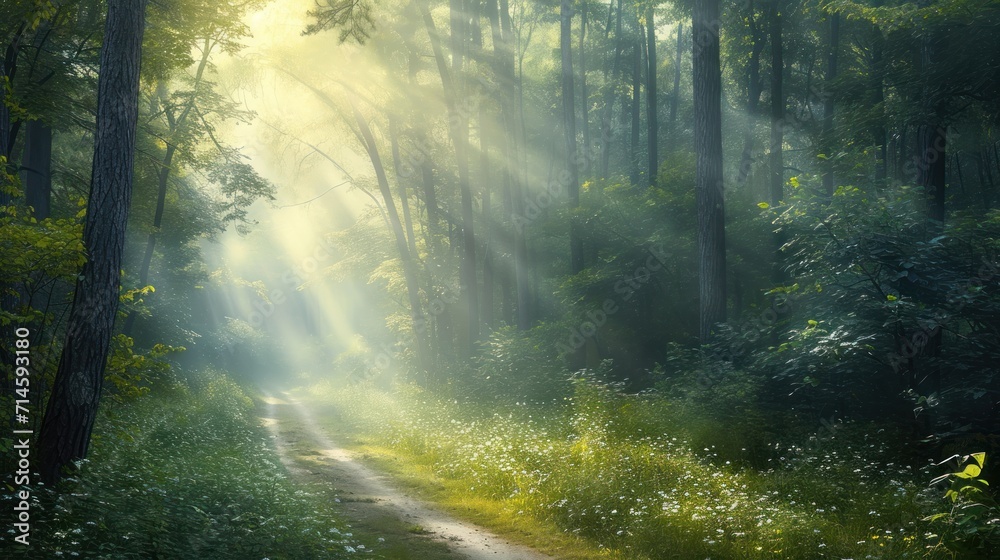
[{"x": 188, "y": 476}]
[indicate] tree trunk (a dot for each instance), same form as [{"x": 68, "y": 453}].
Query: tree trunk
[
  {"x": 652, "y": 122},
  {"x": 635, "y": 162},
  {"x": 754, "y": 90},
  {"x": 932, "y": 149},
  {"x": 775, "y": 160},
  {"x": 675, "y": 97},
  {"x": 177, "y": 128},
  {"x": 707, "y": 79},
  {"x": 459, "y": 132},
  {"x": 484, "y": 178},
  {"x": 584, "y": 95},
  {"x": 404, "y": 202},
  {"x": 569, "y": 128},
  {"x": 503, "y": 51},
  {"x": 409, "y": 265},
  {"x": 878, "y": 131},
  {"x": 76, "y": 392},
  {"x": 37, "y": 168},
  {"x": 609, "y": 96},
  {"x": 828, "y": 102}
]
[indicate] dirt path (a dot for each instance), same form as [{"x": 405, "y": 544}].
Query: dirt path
[{"x": 414, "y": 529}]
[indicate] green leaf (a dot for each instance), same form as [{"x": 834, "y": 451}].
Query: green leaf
[{"x": 979, "y": 458}]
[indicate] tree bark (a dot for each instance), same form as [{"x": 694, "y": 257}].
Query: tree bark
[
  {"x": 754, "y": 90},
  {"x": 776, "y": 160},
  {"x": 569, "y": 129},
  {"x": 584, "y": 95},
  {"x": 635, "y": 162},
  {"x": 72, "y": 406},
  {"x": 609, "y": 96},
  {"x": 707, "y": 79},
  {"x": 176, "y": 127},
  {"x": 652, "y": 122},
  {"x": 459, "y": 132},
  {"x": 404, "y": 203},
  {"x": 675, "y": 97},
  {"x": 37, "y": 168},
  {"x": 503, "y": 51},
  {"x": 828, "y": 102},
  {"x": 409, "y": 266}
]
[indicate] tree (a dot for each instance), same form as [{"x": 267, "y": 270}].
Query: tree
[
  {"x": 651, "y": 117},
  {"x": 775, "y": 160},
  {"x": 76, "y": 392},
  {"x": 184, "y": 119},
  {"x": 708, "y": 174},
  {"x": 569, "y": 130},
  {"x": 833, "y": 47}
]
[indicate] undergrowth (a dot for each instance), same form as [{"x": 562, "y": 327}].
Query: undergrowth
[
  {"x": 183, "y": 476},
  {"x": 622, "y": 471}
]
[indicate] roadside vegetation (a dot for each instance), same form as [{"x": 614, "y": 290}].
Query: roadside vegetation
[
  {"x": 184, "y": 475},
  {"x": 645, "y": 476}
]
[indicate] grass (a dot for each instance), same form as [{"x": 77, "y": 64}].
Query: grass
[
  {"x": 186, "y": 475},
  {"x": 612, "y": 475}
]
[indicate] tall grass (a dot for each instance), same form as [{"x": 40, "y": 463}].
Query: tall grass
[
  {"x": 186, "y": 476},
  {"x": 622, "y": 471}
]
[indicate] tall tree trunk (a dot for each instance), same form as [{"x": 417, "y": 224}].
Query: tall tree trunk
[
  {"x": 707, "y": 77},
  {"x": 635, "y": 162},
  {"x": 675, "y": 97},
  {"x": 486, "y": 182},
  {"x": 408, "y": 262},
  {"x": 76, "y": 392},
  {"x": 459, "y": 131},
  {"x": 652, "y": 122},
  {"x": 828, "y": 102},
  {"x": 609, "y": 95},
  {"x": 569, "y": 128},
  {"x": 775, "y": 160},
  {"x": 178, "y": 127},
  {"x": 584, "y": 95},
  {"x": 503, "y": 51},
  {"x": 8, "y": 70},
  {"x": 404, "y": 202},
  {"x": 37, "y": 168},
  {"x": 776, "y": 163},
  {"x": 754, "y": 90}
]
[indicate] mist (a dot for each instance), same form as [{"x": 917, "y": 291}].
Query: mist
[{"x": 673, "y": 279}]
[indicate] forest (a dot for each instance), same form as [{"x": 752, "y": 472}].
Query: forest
[{"x": 525, "y": 279}]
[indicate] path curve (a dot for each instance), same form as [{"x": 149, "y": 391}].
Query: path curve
[{"x": 376, "y": 490}]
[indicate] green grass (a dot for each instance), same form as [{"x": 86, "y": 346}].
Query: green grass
[
  {"x": 618, "y": 474},
  {"x": 189, "y": 475}
]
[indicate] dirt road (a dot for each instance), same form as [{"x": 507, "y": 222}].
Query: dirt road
[{"x": 411, "y": 528}]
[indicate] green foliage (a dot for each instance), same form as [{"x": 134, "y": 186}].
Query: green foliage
[
  {"x": 189, "y": 476},
  {"x": 36, "y": 254},
  {"x": 622, "y": 470},
  {"x": 971, "y": 526},
  {"x": 353, "y": 19},
  {"x": 887, "y": 313},
  {"x": 518, "y": 366},
  {"x": 131, "y": 375}
]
